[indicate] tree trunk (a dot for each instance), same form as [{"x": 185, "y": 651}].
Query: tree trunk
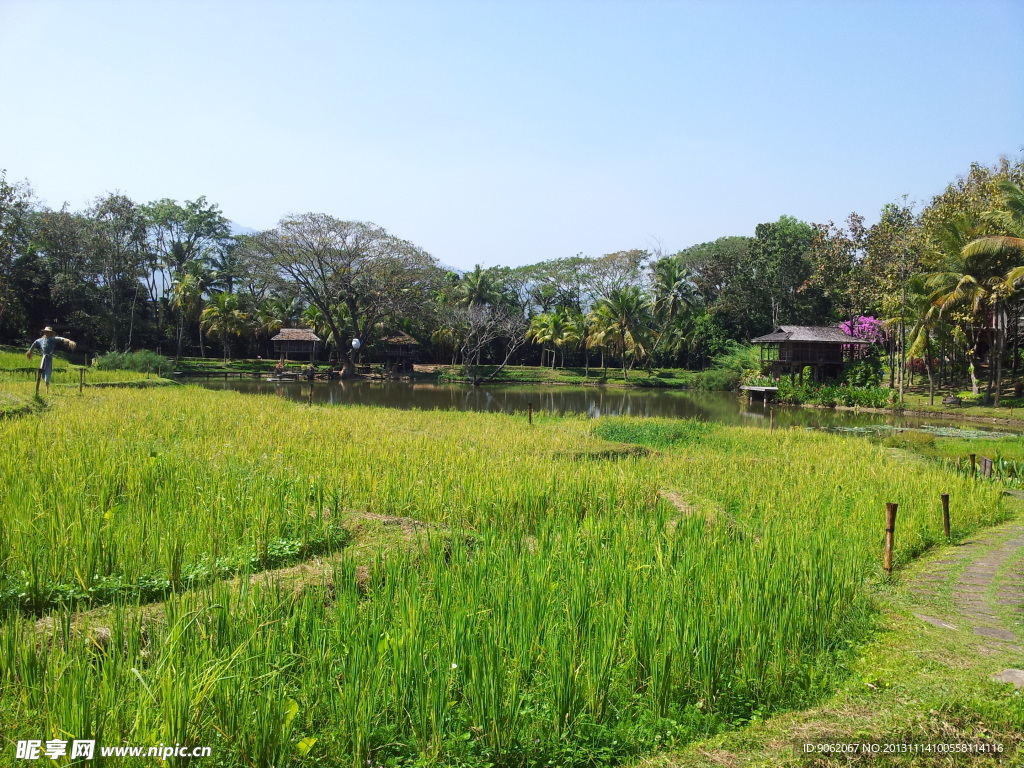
[
  {"x": 928, "y": 368},
  {"x": 1016, "y": 342},
  {"x": 903, "y": 348},
  {"x": 181, "y": 333},
  {"x": 998, "y": 325},
  {"x": 892, "y": 363}
]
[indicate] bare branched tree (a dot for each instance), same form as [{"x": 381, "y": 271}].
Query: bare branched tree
[{"x": 483, "y": 325}]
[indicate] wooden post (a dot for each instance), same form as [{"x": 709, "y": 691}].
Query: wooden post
[
  {"x": 974, "y": 469},
  {"x": 890, "y": 530},
  {"x": 771, "y": 420},
  {"x": 39, "y": 375},
  {"x": 529, "y": 413},
  {"x": 945, "y": 514},
  {"x": 81, "y": 380}
]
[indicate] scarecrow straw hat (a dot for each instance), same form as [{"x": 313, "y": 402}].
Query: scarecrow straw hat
[{"x": 49, "y": 330}]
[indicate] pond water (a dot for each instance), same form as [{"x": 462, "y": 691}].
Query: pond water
[{"x": 724, "y": 407}]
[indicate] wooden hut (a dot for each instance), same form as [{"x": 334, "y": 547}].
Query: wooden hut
[
  {"x": 301, "y": 342},
  {"x": 824, "y": 349},
  {"x": 399, "y": 352}
]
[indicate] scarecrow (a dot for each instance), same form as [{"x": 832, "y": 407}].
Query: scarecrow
[{"x": 46, "y": 343}]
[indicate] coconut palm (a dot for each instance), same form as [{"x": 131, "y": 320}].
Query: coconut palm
[
  {"x": 1001, "y": 250},
  {"x": 673, "y": 290},
  {"x": 579, "y": 328},
  {"x": 315, "y": 320},
  {"x": 222, "y": 317},
  {"x": 187, "y": 298},
  {"x": 561, "y": 334},
  {"x": 975, "y": 273},
  {"x": 478, "y": 287},
  {"x": 1009, "y": 222},
  {"x": 922, "y": 314},
  {"x": 625, "y": 318},
  {"x": 538, "y": 333},
  {"x": 273, "y": 314}
]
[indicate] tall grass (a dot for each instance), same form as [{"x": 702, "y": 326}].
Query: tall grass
[{"x": 608, "y": 602}]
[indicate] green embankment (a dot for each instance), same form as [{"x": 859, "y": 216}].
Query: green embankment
[{"x": 602, "y": 589}]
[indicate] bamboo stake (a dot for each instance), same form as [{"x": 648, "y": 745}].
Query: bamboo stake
[
  {"x": 529, "y": 413},
  {"x": 890, "y": 531},
  {"x": 945, "y": 514}
]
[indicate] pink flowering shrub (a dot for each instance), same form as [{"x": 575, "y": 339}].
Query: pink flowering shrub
[{"x": 864, "y": 327}]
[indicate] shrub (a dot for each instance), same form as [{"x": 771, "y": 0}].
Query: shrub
[
  {"x": 832, "y": 395},
  {"x": 142, "y": 361},
  {"x": 864, "y": 373}
]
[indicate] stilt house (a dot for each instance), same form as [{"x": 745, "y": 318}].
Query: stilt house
[{"x": 824, "y": 349}]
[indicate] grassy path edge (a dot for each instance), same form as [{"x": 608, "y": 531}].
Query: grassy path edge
[{"x": 911, "y": 683}]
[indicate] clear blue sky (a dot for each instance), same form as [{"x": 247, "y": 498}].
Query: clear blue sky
[{"x": 511, "y": 132}]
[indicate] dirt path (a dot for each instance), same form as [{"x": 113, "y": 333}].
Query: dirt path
[{"x": 978, "y": 588}]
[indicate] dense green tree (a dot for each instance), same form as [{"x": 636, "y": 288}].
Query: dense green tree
[
  {"x": 353, "y": 272},
  {"x": 781, "y": 267},
  {"x": 837, "y": 256},
  {"x": 120, "y": 250},
  {"x": 15, "y": 208},
  {"x": 179, "y": 233}
]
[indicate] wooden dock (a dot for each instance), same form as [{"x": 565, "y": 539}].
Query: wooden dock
[{"x": 766, "y": 392}]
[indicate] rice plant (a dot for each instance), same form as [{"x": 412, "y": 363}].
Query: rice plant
[{"x": 590, "y": 604}]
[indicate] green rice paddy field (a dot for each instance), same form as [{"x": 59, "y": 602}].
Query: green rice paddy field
[{"x": 486, "y": 592}]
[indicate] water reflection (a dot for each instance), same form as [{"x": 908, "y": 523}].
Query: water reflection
[{"x": 724, "y": 407}]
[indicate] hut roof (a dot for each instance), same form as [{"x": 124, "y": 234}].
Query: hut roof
[
  {"x": 819, "y": 333},
  {"x": 296, "y": 334},
  {"x": 400, "y": 338}
]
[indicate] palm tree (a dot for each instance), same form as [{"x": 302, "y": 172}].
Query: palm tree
[
  {"x": 314, "y": 319},
  {"x": 187, "y": 297},
  {"x": 923, "y": 316},
  {"x": 538, "y": 332},
  {"x": 579, "y": 328},
  {"x": 273, "y": 314},
  {"x": 556, "y": 328},
  {"x": 674, "y": 294},
  {"x": 673, "y": 289},
  {"x": 600, "y": 322},
  {"x": 1002, "y": 253},
  {"x": 960, "y": 282},
  {"x": 1010, "y": 221},
  {"x": 560, "y": 333},
  {"x": 478, "y": 287},
  {"x": 223, "y": 318},
  {"x": 627, "y": 319}
]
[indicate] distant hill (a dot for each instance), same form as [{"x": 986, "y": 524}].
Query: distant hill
[{"x": 241, "y": 229}]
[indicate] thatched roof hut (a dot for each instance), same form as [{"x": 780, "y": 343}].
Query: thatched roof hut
[
  {"x": 297, "y": 341},
  {"x": 399, "y": 352}
]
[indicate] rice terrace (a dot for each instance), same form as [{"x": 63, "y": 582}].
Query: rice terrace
[{"x": 512, "y": 385}]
